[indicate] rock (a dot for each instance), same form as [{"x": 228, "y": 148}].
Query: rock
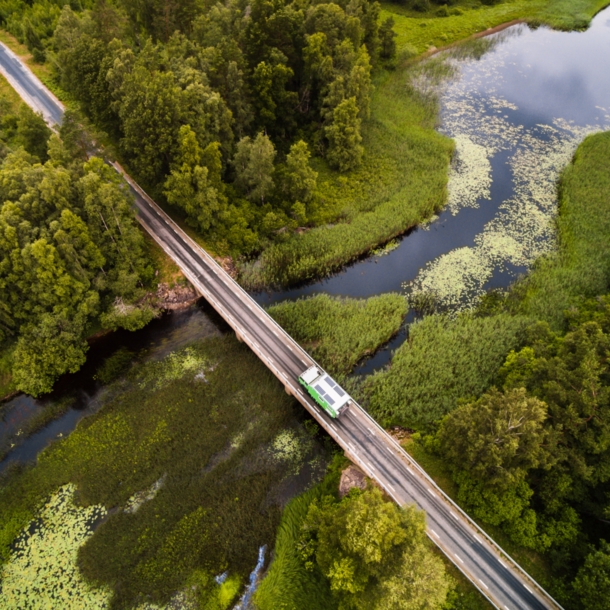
[
  {"x": 352, "y": 476},
  {"x": 228, "y": 264},
  {"x": 179, "y": 296},
  {"x": 399, "y": 433}
]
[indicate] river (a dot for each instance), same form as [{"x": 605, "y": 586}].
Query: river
[{"x": 517, "y": 114}]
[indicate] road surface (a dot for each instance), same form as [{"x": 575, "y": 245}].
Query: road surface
[{"x": 492, "y": 572}]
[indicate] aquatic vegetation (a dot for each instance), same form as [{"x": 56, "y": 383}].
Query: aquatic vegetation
[
  {"x": 580, "y": 267},
  {"x": 389, "y": 247},
  {"x": 470, "y": 176},
  {"x": 140, "y": 497},
  {"x": 174, "y": 366},
  {"x": 523, "y": 228},
  {"x": 148, "y": 450},
  {"x": 291, "y": 449},
  {"x": 42, "y": 571}
]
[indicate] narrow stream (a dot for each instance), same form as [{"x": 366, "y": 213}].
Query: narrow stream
[
  {"x": 162, "y": 336},
  {"x": 517, "y": 114}
]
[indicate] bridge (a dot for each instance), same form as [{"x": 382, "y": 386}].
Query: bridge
[{"x": 496, "y": 575}]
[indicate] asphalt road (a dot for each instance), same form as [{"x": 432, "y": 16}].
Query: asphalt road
[{"x": 498, "y": 578}]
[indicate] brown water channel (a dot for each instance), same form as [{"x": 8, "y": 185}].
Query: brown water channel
[{"x": 517, "y": 114}]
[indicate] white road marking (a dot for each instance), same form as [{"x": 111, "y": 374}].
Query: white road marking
[
  {"x": 454, "y": 515},
  {"x": 430, "y": 491},
  {"x": 371, "y": 430},
  {"x": 483, "y": 584},
  {"x": 501, "y": 563},
  {"x": 477, "y": 539},
  {"x": 435, "y": 533},
  {"x": 459, "y": 557},
  {"x": 506, "y": 608},
  {"x": 371, "y": 467},
  {"x": 388, "y": 485},
  {"x": 528, "y": 589}
]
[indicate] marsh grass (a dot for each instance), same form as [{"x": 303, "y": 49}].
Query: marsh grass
[
  {"x": 420, "y": 31},
  {"x": 581, "y": 267},
  {"x": 211, "y": 436},
  {"x": 444, "y": 360},
  {"x": 339, "y": 332}
]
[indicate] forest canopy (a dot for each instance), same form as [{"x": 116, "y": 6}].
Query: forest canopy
[
  {"x": 71, "y": 252},
  {"x": 218, "y": 108}
]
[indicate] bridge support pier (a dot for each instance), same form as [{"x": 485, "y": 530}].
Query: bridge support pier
[{"x": 239, "y": 337}]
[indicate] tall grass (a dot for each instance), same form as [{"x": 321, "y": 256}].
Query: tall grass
[
  {"x": 444, "y": 360},
  {"x": 338, "y": 332},
  {"x": 581, "y": 267},
  {"x": 418, "y": 31}
]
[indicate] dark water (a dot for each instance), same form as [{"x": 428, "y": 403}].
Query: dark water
[
  {"x": 162, "y": 336},
  {"x": 540, "y": 76},
  {"x": 533, "y": 90}
]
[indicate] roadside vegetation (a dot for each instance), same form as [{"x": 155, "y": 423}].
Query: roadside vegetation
[
  {"x": 385, "y": 558},
  {"x": 339, "y": 332},
  {"x": 515, "y": 398},
  {"x": 188, "y": 465}
]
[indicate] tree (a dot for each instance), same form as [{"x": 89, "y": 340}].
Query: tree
[
  {"x": 344, "y": 139},
  {"x": 387, "y": 36},
  {"x": 254, "y": 169},
  {"x": 51, "y": 347},
  {"x": 33, "y": 133},
  {"x": 192, "y": 187},
  {"x": 299, "y": 179},
  {"x": 592, "y": 583},
  {"x": 374, "y": 554},
  {"x": 498, "y": 438}
]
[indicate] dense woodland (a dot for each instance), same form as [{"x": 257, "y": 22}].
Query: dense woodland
[
  {"x": 218, "y": 107},
  {"x": 71, "y": 252}
]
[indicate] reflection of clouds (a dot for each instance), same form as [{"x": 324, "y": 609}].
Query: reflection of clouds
[{"x": 477, "y": 116}]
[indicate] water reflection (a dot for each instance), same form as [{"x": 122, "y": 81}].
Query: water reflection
[{"x": 528, "y": 102}]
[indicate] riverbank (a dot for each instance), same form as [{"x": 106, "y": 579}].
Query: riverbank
[
  {"x": 567, "y": 290},
  {"x": 403, "y": 177}
]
